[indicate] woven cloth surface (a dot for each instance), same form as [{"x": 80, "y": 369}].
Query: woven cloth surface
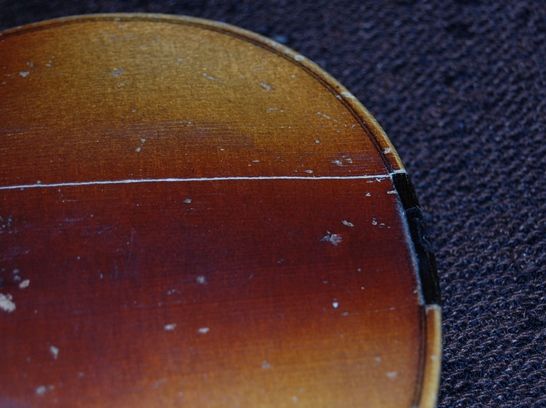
[{"x": 460, "y": 87}]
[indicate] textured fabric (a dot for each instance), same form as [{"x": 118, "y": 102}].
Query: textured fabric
[{"x": 460, "y": 87}]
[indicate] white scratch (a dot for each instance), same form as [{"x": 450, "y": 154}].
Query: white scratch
[
  {"x": 189, "y": 180},
  {"x": 6, "y": 303},
  {"x": 203, "y": 330},
  {"x": 347, "y": 223},
  {"x": 169, "y": 326}
]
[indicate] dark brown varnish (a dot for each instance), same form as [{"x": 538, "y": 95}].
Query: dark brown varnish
[{"x": 192, "y": 215}]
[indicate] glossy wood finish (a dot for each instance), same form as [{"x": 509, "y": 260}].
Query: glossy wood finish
[{"x": 195, "y": 216}]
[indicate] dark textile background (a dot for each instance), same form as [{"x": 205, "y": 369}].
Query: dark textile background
[{"x": 460, "y": 87}]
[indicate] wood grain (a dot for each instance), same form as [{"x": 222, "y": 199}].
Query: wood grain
[{"x": 192, "y": 215}]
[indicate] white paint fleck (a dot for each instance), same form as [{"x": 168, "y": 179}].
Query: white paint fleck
[
  {"x": 324, "y": 115},
  {"x": 255, "y": 161},
  {"x": 309, "y": 171},
  {"x": 54, "y": 351},
  {"x": 347, "y": 95},
  {"x": 359, "y": 269},
  {"x": 377, "y": 360},
  {"x": 24, "y": 74},
  {"x": 138, "y": 149},
  {"x": 299, "y": 57},
  {"x": 374, "y": 221},
  {"x": 334, "y": 239},
  {"x": 335, "y": 304},
  {"x": 387, "y": 150},
  {"x": 345, "y": 314},
  {"x": 391, "y": 375},
  {"x": 337, "y": 162},
  {"x": 368, "y": 194},
  {"x": 347, "y": 223},
  {"x": 391, "y": 192},
  {"x": 187, "y": 200},
  {"x": 117, "y": 72},
  {"x": 209, "y": 77},
  {"x": 265, "y": 86},
  {"x": 317, "y": 141},
  {"x": 6, "y": 303},
  {"x": 203, "y": 330},
  {"x": 42, "y": 389},
  {"x": 169, "y": 326},
  {"x": 24, "y": 284},
  {"x": 201, "y": 280},
  {"x": 266, "y": 365}
]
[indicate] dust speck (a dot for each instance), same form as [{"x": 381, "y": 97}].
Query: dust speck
[
  {"x": 266, "y": 365},
  {"x": 187, "y": 200},
  {"x": 203, "y": 330},
  {"x": 201, "y": 280},
  {"x": 347, "y": 223},
  {"x": 169, "y": 326},
  {"x": 335, "y": 304}
]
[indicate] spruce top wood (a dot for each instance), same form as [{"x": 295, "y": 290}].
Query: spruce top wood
[{"x": 193, "y": 215}]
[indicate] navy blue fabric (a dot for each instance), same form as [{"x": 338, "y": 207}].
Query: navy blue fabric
[{"x": 460, "y": 87}]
